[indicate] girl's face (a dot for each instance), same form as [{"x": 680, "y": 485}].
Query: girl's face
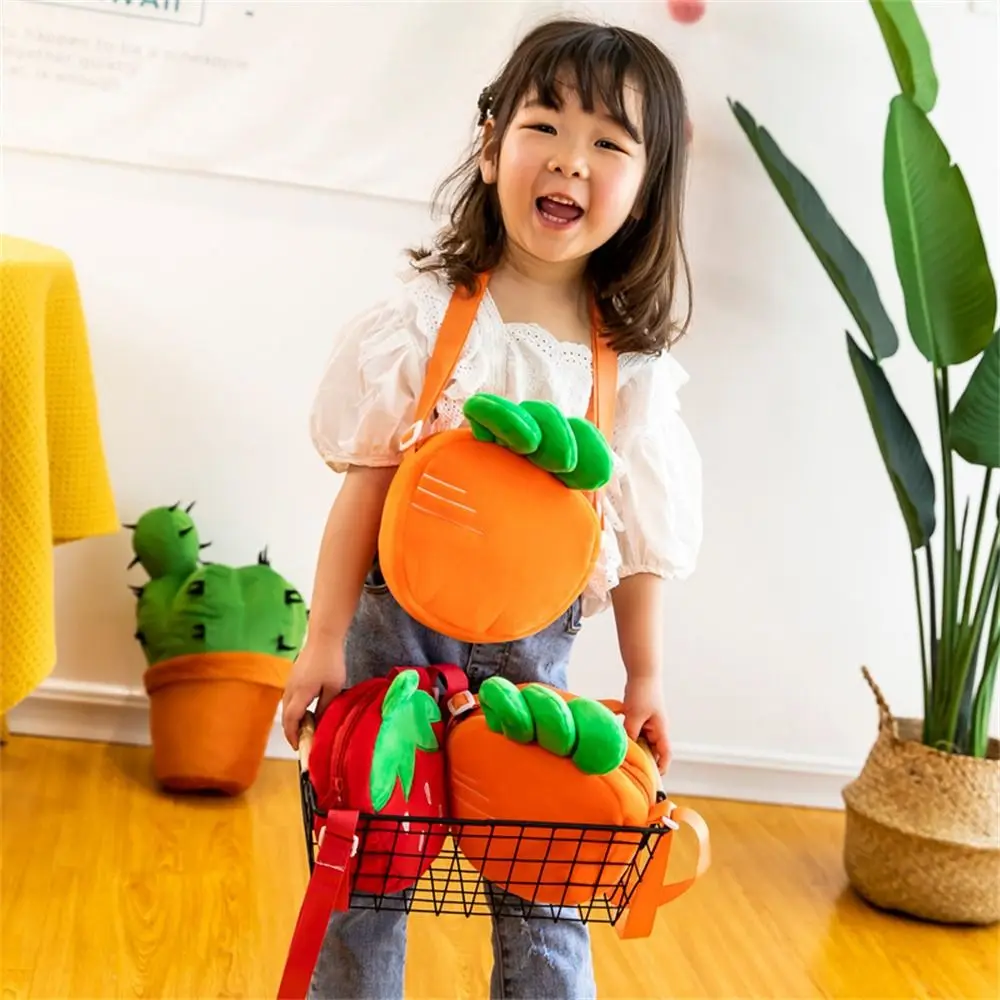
[{"x": 567, "y": 180}]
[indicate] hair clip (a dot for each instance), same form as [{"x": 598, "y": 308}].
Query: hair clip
[{"x": 485, "y": 100}]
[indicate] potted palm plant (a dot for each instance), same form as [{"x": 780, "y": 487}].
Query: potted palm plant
[{"x": 922, "y": 829}]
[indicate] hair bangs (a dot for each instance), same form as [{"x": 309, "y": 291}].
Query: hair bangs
[{"x": 598, "y": 70}]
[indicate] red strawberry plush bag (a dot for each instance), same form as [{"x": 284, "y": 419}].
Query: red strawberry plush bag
[{"x": 378, "y": 750}]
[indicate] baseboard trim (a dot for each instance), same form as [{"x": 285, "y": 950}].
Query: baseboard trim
[
  {"x": 102, "y": 713},
  {"x": 108, "y": 713}
]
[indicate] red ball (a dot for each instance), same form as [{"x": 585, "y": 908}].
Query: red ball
[{"x": 686, "y": 11}]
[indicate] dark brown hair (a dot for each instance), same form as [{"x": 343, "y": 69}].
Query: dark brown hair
[{"x": 634, "y": 275}]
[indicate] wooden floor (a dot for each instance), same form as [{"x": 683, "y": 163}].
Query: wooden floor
[{"x": 110, "y": 889}]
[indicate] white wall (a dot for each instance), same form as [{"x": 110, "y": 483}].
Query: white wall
[{"x": 212, "y": 304}]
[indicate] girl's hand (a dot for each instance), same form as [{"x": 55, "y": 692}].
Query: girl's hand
[
  {"x": 646, "y": 715},
  {"x": 345, "y": 556},
  {"x": 318, "y": 672}
]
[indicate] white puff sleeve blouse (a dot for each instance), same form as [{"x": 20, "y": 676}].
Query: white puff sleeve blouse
[{"x": 367, "y": 397}]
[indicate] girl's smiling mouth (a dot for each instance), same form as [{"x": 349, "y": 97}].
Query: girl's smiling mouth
[{"x": 558, "y": 210}]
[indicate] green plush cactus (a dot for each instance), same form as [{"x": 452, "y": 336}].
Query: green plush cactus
[
  {"x": 573, "y": 450},
  {"x": 584, "y": 730},
  {"x": 191, "y": 606}
]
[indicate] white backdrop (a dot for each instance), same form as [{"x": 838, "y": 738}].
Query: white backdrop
[
  {"x": 370, "y": 97},
  {"x": 213, "y": 303}
]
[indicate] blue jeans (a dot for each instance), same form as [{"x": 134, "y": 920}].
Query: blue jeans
[{"x": 364, "y": 951}]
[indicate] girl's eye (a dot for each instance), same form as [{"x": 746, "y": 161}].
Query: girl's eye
[
  {"x": 608, "y": 144},
  {"x": 543, "y": 128}
]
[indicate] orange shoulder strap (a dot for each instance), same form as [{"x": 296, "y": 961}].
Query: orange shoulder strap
[
  {"x": 605, "y": 391},
  {"x": 450, "y": 340},
  {"x": 448, "y": 344}
]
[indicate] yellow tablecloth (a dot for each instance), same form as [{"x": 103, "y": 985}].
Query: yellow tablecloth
[{"x": 54, "y": 483}]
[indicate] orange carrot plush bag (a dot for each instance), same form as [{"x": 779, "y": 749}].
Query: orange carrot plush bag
[
  {"x": 510, "y": 501},
  {"x": 588, "y": 789}
]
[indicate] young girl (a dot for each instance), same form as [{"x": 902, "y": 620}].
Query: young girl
[{"x": 572, "y": 194}]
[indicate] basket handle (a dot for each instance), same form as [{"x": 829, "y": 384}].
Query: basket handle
[
  {"x": 652, "y": 891},
  {"x": 885, "y": 716},
  {"x": 307, "y": 730},
  {"x": 689, "y": 817}
]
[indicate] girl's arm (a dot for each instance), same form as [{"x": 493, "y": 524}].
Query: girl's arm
[
  {"x": 660, "y": 508},
  {"x": 638, "y": 609},
  {"x": 345, "y": 556}
]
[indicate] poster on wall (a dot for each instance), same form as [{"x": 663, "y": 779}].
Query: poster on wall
[{"x": 373, "y": 96}]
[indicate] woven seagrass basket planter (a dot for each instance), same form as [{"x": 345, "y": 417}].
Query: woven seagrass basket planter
[{"x": 922, "y": 834}]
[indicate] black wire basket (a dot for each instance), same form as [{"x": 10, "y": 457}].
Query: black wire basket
[
  {"x": 536, "y": 870},
  {"x": 526, "y": 870},
  {"x": 552, "y": 888}
]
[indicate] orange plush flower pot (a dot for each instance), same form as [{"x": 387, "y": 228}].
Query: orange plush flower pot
[{"x": 210, "y": 716}]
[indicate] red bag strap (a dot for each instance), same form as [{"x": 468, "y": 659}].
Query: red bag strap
[
  {"x": 328, "y": 890},
  {"x": 449, "y": 678},
  {"x": 450, "y": 340},
  {"x": 453, "y": 679}
]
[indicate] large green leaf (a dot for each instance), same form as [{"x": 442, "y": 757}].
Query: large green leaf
[
  {"x": 975, "y": 421},
  {"x": 951, "y": 300},
  {"x": 908, "y": 49},
  {"x": 838, "y": 255},
  {"x": 908, "y": 470}
]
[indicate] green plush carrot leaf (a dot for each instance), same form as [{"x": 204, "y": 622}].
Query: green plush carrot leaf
[
  {"x": 557, "y": 451},
  {"x": 508, "y": 423},
  {"x": 408, "y": 717},
  {"x": 505, "y": 710},
  {"x": 570, "y": 448},
  {"x": 594, "y": 462},
  {"x": 480, "y": 433},
  {"x": 601, "y": 739},
  {"x": 554, "y": 722},
  {"x": 581, "y": 729}
]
